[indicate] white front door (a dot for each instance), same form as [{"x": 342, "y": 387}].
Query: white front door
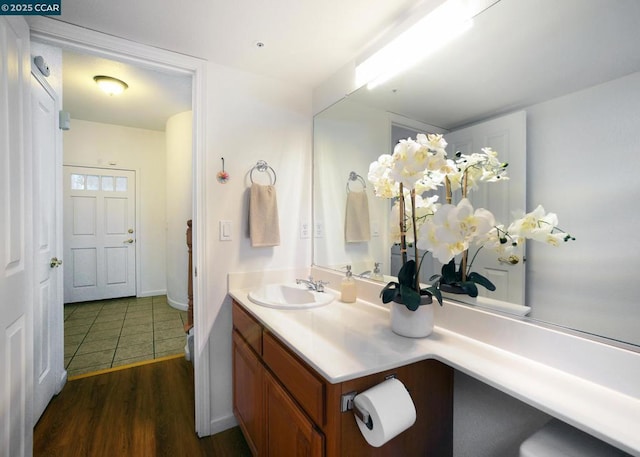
[
  {"x": 16, "y": 241},
  {"x": 99, "y": 234},
  {"x": 507, "y": 136},
  {"x": 48, "y": 310}
]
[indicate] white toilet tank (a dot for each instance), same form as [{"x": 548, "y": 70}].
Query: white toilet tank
[{"x": 557, "y": 439}]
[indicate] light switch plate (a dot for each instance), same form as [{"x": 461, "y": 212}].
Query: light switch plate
[
  {"x": 225, "y": 231},
  {"x": 305, "y": 229},
  {"x": 318, "y": 230},
  {"x": 375, "y": 229}
]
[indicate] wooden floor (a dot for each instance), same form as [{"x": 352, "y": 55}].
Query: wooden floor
[{"x": 144, "y": 411}]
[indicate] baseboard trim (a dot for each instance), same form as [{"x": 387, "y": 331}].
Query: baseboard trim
[
  {"x": 152, "y": 293},
  {"x": 62, "y": 381},
  {"x": 223, "y": 423},
  {"x": 177, "y": 305}
]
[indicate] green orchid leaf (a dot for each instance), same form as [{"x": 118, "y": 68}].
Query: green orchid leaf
[
  {"x": 479, "y": 279},
  {"x": 434, "y": 291},
  {"x": 389, "y": 292},
  {"x": 407, "y": 274},
  {"x": 470, "y": 288},
  {"x": 410, "y": 297},
  {"x": 449, "y": 272}
]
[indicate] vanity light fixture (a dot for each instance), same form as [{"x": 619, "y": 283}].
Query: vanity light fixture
[
  {"x": 432, "y": 32},
  {"x": 110, "y": 85}
]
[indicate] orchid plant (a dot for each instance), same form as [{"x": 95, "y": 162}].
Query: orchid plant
[{"x": 418, "y": 167}]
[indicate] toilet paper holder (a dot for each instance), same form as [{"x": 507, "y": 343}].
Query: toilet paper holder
[{"x": 347, "y": 403}]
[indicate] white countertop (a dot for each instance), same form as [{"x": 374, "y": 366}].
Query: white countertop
[{"x": 346, "y": 341}]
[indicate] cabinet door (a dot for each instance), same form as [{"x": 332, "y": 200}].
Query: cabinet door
[
  {"x": 248, "y": 394},
  {"x": 289, "y": 431}
]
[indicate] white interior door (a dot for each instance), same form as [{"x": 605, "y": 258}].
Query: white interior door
[
  {"x": 16, "y": 241},
  {"x": 48, "y": 310},
  {"x": 507, "y": 136},
  {"x": 99, "y": 234}
]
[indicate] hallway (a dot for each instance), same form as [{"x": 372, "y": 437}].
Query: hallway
[{"x": 110, "y": 333}]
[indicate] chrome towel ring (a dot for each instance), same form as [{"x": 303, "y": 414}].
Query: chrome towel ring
[
  {"x": 263, "y": 167},
  {"x": 353, "y": 176}
]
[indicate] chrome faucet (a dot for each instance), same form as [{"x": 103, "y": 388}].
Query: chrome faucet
[{"x": 318, "y": 286}]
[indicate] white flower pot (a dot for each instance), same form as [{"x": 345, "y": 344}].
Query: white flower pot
[{"x": 412, "y": 324}]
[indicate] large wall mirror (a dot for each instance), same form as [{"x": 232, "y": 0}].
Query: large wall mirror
[{"x": 570, "y": 71}]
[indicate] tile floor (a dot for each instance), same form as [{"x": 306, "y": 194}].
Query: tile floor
[{"x": 109, "y": 333}]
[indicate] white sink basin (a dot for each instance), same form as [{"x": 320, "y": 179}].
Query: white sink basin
[{"x": 289, "y": 296}]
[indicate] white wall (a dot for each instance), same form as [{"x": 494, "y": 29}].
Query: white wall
[
  {"x": 249, "y": 118},
  {"x": 582, "y": 163},
  {"x": 489, "y": 423},
  {"x": 179, "y": 184},
  {"x": 93, "y": 144}
]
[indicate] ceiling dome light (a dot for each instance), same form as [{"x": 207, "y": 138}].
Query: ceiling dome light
[{"x": 109, "y": 85}]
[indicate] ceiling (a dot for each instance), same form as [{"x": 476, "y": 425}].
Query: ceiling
[
  {"x": 151, "y": 98},
  {"x": 305, "y": 42}
]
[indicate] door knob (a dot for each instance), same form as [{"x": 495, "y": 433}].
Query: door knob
[
  {"x": 55, "y": 262},
  {"x": 511, "y": 260},
  {"x": 130, "y": 241},
  {"x": 130, "y": 231}
]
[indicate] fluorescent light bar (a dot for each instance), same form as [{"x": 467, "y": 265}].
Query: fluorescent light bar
[{"x": 431, "y": 33}]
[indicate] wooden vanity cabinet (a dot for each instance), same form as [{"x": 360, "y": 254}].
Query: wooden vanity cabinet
[
  {"x": 248, "y": 394},
  {"x": 284, "y": 407},
  {"x": 289, "y": 430}
]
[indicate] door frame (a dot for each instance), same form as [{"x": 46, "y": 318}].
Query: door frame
[{"x": 66, "y": 36}]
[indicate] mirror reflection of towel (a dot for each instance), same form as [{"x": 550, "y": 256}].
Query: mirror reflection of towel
[
  {"x": 356, "y": 222},
  {"x": 264, "y": 226}
]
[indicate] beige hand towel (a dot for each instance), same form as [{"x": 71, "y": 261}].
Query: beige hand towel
[
  {"x": 264, "y": 226},
  {"x": 356, "y": 223}
]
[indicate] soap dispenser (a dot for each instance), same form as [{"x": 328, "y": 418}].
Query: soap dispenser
[
  {"x": 348, "y": 287},
  {"x": 377, "y": 274}
]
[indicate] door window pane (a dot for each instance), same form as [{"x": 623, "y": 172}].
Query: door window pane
[
  {"x": 93, "y": 182},
  {"x": 107, "y": 183},
  {"x": 121, "y": 183},
  {"x": 77, "y": 182}
]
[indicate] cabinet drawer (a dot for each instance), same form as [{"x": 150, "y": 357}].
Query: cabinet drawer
[
  {"x": 248, "y": 327},
  {"x": 303, "y": 386}
]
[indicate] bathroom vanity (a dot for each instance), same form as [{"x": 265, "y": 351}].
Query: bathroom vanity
[
  {"x": 286, "y": 406},
  {"x": 589, "y": 385}
]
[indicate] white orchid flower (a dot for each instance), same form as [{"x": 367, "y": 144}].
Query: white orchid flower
[
  {"x": 379, "y": 171},
  {"x": 453, "y": 228},
  {"x": 425, "y": 208},
  {"x": 435, "y": 142}
]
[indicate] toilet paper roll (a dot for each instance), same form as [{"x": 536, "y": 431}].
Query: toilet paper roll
[{"x": 391, "y": 408}]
